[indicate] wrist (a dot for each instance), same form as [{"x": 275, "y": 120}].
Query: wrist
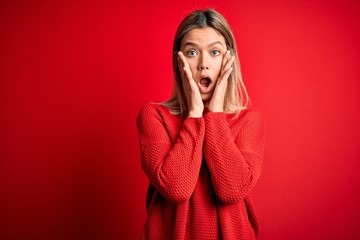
[
  {"x": 195, "y": 114},
  {"x": 216, "y": 109}
]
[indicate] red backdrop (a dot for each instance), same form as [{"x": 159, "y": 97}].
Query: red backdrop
[{"x": 74, "y": 74}]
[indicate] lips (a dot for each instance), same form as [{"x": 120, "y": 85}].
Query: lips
[{"x": 205, "y": 84}]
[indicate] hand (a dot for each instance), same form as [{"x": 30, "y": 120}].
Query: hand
[
  {"x": 192, "y": 93},
  {"x": 216, "y": 103}
]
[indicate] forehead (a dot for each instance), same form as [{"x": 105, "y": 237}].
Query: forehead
[{"x": 202, "y": 36}]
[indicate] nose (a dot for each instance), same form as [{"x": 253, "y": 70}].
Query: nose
[{"x": 203, "y": 62}]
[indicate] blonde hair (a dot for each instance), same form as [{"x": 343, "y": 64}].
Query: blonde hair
[{"x": 236, "y": 98}]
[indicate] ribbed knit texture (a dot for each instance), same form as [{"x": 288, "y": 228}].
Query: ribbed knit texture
[{"x": 201, "y": 171}]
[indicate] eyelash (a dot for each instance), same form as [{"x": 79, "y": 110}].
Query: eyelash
[
  {"x": 218, "y": 52},
  {"x": 212, "y": 53},
  {"x": 188, "y": 53}
]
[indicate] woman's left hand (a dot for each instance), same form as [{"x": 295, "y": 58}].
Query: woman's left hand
[{"x": 216, "y": 103}]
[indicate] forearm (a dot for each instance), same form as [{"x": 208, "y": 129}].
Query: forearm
[
  {"x": 234, "y": 166},
  {"x": 174, "y": 168}
]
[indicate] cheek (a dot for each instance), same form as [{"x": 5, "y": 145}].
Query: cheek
[
  {"x": 217, "y": 64},
  {"x": 192, "y": 64}
]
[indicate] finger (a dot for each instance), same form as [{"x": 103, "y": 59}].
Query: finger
[
  {"x": 225, "y": 74},
  {"x": 229, "y": 62},
  {"x": 183, "y": 59},
  {"x": 187, "y": 73},
  {"x": 185, "y": 65},
  {"x": 180, "y": 62},
  {"x": 227, "y": 67},
  {"x": 225, "y": 58},
  {"x": 182, "y": 68}
]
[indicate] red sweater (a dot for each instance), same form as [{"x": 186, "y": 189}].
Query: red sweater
[{"x": 201, "y": 171}]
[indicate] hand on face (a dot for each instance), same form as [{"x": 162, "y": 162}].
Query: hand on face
[
  {"x": 216, "y": 103},
  {"x": 205, "y": 67},
  {"x": 192, "y": 93},
  {"x": 191, "y": 88}
]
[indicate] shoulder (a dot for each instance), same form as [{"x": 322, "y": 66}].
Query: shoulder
[
  {"x": 248, "y": 116},
  {"x": 152, "y": 108},
  {"x": 252, "y": 114},
  {"x": 151, "y": 111}
]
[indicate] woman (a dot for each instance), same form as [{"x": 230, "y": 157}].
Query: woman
[{"x": 202, "y": 150}]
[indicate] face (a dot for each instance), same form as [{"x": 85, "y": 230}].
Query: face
[{"x": 204, "y": 49}]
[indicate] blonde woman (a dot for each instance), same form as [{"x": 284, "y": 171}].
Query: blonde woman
[{"x": 202, "y": 150}]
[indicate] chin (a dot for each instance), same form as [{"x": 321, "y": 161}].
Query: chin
[{"x": 206, "y": 97}]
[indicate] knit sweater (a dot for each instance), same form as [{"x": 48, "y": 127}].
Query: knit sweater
[{"x": 201, "y": 171}]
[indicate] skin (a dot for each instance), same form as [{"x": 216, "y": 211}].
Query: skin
[{"x": 203, "y": 52}]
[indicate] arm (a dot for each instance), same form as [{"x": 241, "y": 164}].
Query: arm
[
  {"x": 234, "y": 161},
  {"x": 173, "y": 168}
]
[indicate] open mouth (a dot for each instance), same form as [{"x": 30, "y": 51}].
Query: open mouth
[{"x": 205, "y": 82}]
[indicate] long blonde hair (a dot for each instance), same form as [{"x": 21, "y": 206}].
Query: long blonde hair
[{"x": 236, "y": 98}]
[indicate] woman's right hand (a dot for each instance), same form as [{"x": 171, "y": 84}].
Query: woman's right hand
[{"x": 192, "y": 93}]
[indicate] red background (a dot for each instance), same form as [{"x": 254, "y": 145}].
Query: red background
[{"x": 74, "y": 74}]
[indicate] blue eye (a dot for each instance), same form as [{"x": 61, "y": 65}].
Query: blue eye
[
  {"x": 192, "y": 53},
  {"x": 215, "y": 52}
]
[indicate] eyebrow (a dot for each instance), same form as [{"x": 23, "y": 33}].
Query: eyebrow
[{"x": 210, "y": 44}]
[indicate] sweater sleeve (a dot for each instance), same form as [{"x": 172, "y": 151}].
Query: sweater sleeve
[
  {"x": 234, "y": 161},
  {"x": 172, "y": 167}
]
